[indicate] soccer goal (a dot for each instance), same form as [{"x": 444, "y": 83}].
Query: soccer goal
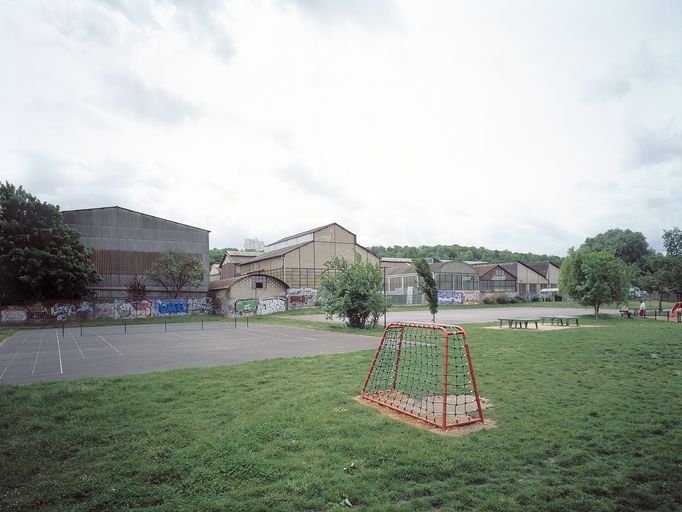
[{"x": 425, "y": 371}]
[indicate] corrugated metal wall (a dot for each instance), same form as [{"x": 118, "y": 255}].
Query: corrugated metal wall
[{"x": 126, "y": 243}]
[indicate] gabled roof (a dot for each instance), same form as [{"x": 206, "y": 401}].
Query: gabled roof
[
  {"x": 223, "y": 284},
  {"x": 541, "y": 267},
  {"x": 309, "y": 232},
  {"x": 484, "y": 269},
  {"x": 276, "y": 252},
  {"x": 133, "y": 211}
]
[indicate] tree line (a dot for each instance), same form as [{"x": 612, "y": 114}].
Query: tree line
[{"x": 459, "y": 253}]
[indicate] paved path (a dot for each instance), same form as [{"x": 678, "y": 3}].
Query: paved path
[
  {"x": 475, "y": 316},
  {"x": 45, "y": 354}
]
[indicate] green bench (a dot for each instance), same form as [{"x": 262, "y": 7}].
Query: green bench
[
  {"x": 562, "y": 320},
  {"x": 519, "y": 323}
]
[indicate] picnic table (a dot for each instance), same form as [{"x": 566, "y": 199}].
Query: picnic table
[
  {"x": 519, "y": 323},
  {"x": 562, "y": 320}
]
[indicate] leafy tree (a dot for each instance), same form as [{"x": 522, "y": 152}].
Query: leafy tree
[
  {"x": 136, "y": 289},
  {"x": 672, "y": 241},
  {"x": 593, "y": 278},
  {"x": 629, "y": 246},
  {"x": 176, "y": 270},
  {"x": 427, "y": 285},
  {"x": 40, "y": 256},
  {"x": 353, "y": 291},
  {"x": 663, "y": 274},
  {"x": 459, "y": 253},
  {"x": 215, "y": 256}
]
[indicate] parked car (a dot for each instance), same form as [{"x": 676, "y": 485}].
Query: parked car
[{"x": 636, "y": 293}]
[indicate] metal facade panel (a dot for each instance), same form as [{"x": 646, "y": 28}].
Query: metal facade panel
[{"x": 125, "y": 242}]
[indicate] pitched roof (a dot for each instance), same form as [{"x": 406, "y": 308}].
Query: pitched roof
[
  {"x": 133, "y": 211},
  {"x": 309, "y": 232},
  {"x": 228, "y": 283},
  {"x": 276, "y": 252}
]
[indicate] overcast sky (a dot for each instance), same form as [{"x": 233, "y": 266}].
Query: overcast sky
[{"x": 521, "y": 125}]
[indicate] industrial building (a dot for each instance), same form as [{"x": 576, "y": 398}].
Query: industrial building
[
  {"x": 299, "y": 260},
  {"x": 125, "y": 243},
  {"x": 515, "y": 277}
]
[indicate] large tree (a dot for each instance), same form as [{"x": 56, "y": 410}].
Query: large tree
[
  {"x": 353, "y": 291},
  {"x": 663, "y": 274},
  {"x": 174, "y": 271},
  {"x": 672, "y": 241},
  {"x": 40, "y": 256},
  {"x": 427, "y": 285},
  {"x": 629, "y": 246},
  {"x": 593, "y": 278}
]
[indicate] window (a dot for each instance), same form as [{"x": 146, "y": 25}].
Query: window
[{"x": 259, "y": 282}]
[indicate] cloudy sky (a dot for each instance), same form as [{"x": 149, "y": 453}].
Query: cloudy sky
[{"x": 521, "y": 125}]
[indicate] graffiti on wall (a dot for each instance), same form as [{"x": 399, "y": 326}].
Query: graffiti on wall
[
  {"x": 11, "y": 314},
  {"x": 265, "y": 306},
  {"x": 302, "y": 297},
  {"x": 203, "y": 306},
  {"x": 63, "y": 311},
  {"x": 450, "y": 297},
  {"x": 472, "y": 297},
  {"x": 271, "y": 305},
  {"x": 459, "y": 297},
  {"x": 170, "y": 307},
  {"x": 244, "y": 307},
  {"x": 132, "y": 309}
]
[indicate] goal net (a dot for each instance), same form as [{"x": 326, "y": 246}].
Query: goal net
[{"x": 425, "y": 371}]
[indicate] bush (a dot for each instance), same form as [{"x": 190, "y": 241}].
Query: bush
[
  {"x": 488, "y": 300},
  {"x": 502, "y": 300}
]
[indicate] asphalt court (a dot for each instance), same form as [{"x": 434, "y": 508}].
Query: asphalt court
[{"x": 36, "y": 355}]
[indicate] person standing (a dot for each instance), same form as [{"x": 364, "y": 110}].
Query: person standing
[{"x": 642, "y": 310}]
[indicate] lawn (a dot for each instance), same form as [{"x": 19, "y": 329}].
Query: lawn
[{"x": 587, "y": 419}]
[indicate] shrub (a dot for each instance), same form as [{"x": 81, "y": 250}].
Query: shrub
[{"x": 502, "y": 300}]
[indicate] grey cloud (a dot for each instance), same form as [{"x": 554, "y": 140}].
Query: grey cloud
[
  {"x": 149, "y": 103},
  {"x": 73, "y": 184},
  {"x": 655, "y": 147},
  {"x": 371, "y": 14},
  {"x": 198, "y": 17},
  {"x": 302, "y": 178}
]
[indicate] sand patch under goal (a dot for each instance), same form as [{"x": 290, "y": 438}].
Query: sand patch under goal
[{"x": 454, "y": 404}]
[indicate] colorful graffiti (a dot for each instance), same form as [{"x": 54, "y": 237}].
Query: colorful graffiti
[
  {"x": 170, "y": 307},
  {"x": 472, "y": 297},
  {"x": 459, "y": 297},
  {"x": 62, "y": 311},
  {"x": 13, "y": 314},
  {"x": 134, "y": 309},
  {"x": 271, "y": 305},
  {"x": 302, "y": 297},
  {"x": 243, "y": 307},
  {"x": 450, "y": 297},
  {"x": 203, "y": 306}
]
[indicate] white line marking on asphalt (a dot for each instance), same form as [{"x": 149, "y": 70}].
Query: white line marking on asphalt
[
  {"x": 40, "y": 345},
  {"x": 105, "y": 341},
  {"x": 59, "y": 349},
  {"x": 15, "y": 355},
  {"x": 77, "y": 345}
]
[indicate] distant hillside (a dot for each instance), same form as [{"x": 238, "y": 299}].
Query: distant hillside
[{"x": 459, "y": 253}]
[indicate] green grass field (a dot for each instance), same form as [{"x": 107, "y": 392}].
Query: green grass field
[{"x": 587, "y": 419}]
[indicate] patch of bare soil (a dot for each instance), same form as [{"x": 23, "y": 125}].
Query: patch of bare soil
[
  {"x": 414, "y": 422},
  {"x": 543, "y": 328}
]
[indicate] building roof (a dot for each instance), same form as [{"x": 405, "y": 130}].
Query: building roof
[
  {"x": 223, "y": 284},
  {"x": 541, "y": 267},
  {"x": 484, "y": 269},
  {"x": 133, "y": 211},
  {"x": 452, "y": 266},
  {"x": 277, "y": 252},
  {"x": 309, "y": 232}
]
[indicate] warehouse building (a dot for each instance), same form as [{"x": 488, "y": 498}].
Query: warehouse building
[
  {"x": 515, "y": 277},
  {"x": 125, "y": 243},
  {"x": 299, "y": 260}
]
